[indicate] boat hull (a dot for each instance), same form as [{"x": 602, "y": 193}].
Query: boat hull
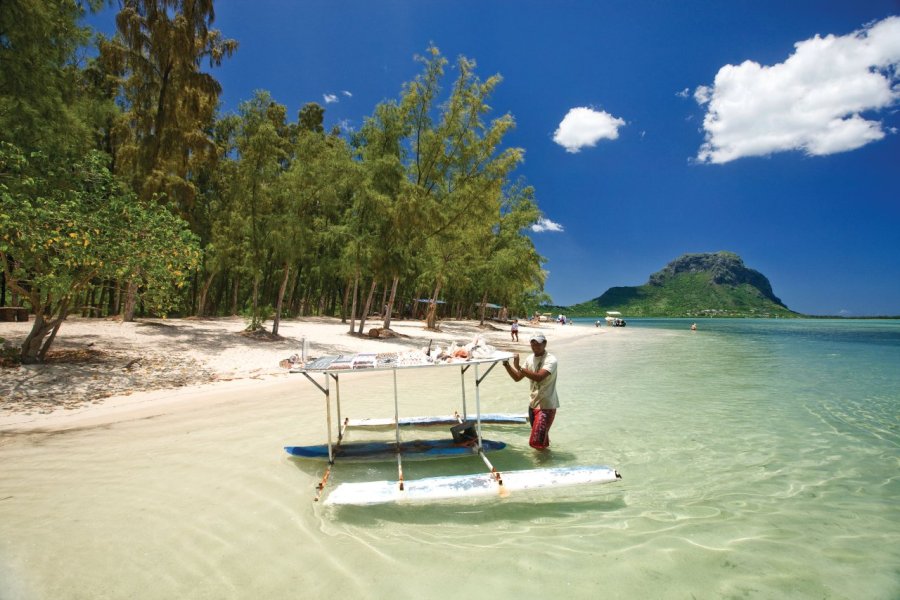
[
  {"x": 467, "y": 486},
  {"x": 380, "y": 451}
]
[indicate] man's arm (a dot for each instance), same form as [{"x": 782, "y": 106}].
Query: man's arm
[
  {"x": 535, "y": 375},
  {"x": 518, "y": 372},
  {"x": 514, "y": 370}
]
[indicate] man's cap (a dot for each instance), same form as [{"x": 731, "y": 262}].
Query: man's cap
[{"x": 539, "y": 338}]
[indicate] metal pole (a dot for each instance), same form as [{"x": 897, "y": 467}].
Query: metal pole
[
  {"x": 321, "y": 487},
  {"x": 337, "y": 400},
  {"x": 397, "y": 431},
  {"x": 326, "y": 392},
  {"x": 462, "y": 378},
  {"x": 328, "y": 419},
  {"x": 478, "y": 406},
  {"x": 494, "y": 472}
]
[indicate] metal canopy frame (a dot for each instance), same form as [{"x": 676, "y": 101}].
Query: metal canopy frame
[{"x": 334, "y": 374}]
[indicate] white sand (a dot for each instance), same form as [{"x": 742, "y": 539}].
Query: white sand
[{"x": 100, "y": 370}]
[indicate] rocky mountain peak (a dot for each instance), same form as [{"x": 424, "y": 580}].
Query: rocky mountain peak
[{"x": 724, "y": 268}]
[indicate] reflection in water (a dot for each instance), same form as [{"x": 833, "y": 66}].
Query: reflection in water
[{"x": 466, "y": 514}]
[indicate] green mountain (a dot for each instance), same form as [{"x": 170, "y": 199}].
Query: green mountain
[{"x": 694, "y": 285}]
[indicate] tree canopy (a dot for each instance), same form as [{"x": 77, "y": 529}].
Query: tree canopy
[
  {"x": 56, "y": 239},
  {"x": 124, "y": 189}
]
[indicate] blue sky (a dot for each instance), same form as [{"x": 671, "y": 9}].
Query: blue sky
[{"x": 651, "y": 129}]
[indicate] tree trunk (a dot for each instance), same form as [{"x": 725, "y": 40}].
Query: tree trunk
[
  {"x": 31, "y": 347},
  {"x": 431, "y": 319},
  {"x": 221, "y": 291},
  {"x": 483, "y": 306},
  {"x": 279, "y": 303},
  {"x": 204, "y": 293},
  {"x": 353, "y": 303},
  {"x": 194, "y": 299},
  {"x": 328, "y": 299},
  {"x": 292, "y": 288},
  {"x": 130, "y": 302},
  {"x": 116, "y": 299},
  {"x": 35, "y": 347},
  {"x": 234, "y": 294},
  {"x": 42, "y": 355},
  {"x": 104, "y": 291},
  {"x": 97, "y": 300},
  {"x": 344, "y": 304},
  {"x": 368, "y": 308},
  {"x": 255, "y": 321},
  {"x": 90, "y": 297},
  {"x": 390, "y": 304}
]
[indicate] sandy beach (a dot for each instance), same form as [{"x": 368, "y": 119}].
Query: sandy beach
[{"x": 98, "y": 368}]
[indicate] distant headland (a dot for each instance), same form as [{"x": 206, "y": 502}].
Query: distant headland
[{"x": 714, "y": 284}]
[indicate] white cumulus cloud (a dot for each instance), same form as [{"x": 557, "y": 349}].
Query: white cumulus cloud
[
  {"x": 348, "y": 94},
  {"x": 329, "y": 98},
  {"x": 813, "y": 102},
  {"x": 584, "y": 127},
  {"x": 545, "y": 224}
]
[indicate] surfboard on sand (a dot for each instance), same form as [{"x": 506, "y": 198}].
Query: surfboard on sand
[
  {"x": 376, "y": 451},
  {"x": 467, "y": 486}
]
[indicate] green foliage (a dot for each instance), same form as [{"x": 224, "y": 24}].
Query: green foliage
[
  {"x": 421, "y": 202},
  {"x": 723, "y": 268},
  {"x": 707, "y": 285},
  {"x": 453, "y": 202},
  {"x": 311, "y": 118},
  {"x": 65, "y": 226},
  {"x": 170, "y": 103},
  {"x": 508, "y": 267},
  {"x": 254, "y": 315},
  {"x": 42, "y": 105}
]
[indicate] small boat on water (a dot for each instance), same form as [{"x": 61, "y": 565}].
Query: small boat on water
[
  {"x": 466, "y": 436},
  {"x": 614, "y": 319}
]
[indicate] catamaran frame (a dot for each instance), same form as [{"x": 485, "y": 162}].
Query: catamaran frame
[
  {"x": 484, "y": 484},
  {"x": 475, "y": 363}
]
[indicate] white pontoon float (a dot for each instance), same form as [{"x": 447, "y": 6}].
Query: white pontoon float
[{"x": 467, "y": 438}]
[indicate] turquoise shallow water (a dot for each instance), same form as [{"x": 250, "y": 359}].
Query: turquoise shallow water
[{"x": 760, "y": 459}]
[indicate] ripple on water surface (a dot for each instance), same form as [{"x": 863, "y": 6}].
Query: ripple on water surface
[{"x": 758, "y": 460}]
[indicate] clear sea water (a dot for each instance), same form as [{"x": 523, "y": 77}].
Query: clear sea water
[{"x": 760, "y": 459}]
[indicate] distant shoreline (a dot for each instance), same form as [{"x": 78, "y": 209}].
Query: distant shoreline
[
  {"x": 845, "y": 317},
  {"x": 799, "y": 316}
]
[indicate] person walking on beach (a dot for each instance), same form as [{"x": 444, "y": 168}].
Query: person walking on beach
[
  {"x": 514, "y": 330},
  {"x": 540, "y": 370}
]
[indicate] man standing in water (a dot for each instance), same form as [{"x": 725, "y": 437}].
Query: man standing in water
[{"x": 540, "y": 370}]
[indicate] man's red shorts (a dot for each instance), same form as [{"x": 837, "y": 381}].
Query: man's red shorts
[{"x": 541, "y": 420}]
